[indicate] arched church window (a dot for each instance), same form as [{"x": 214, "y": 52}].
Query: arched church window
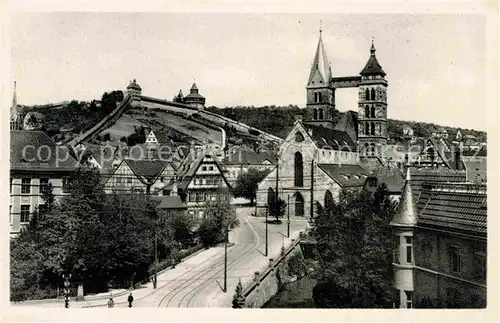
[
  {"x": 315, "y": 114},
  {"x": 367, "y": 111},
  {"x": 372, "y": 129},
  {"x": 367, "y": 95},
  {"x": 320, "y": 97},
  {"x": 372, "y": 149},
  {"x": 320, "y": 115},
  {"x": 373, "y": 94},
  {"x": 315, "y": 97},
  {"x": 367, "y": 129},
  {"x": 373, "y": 112},
  {"x": 299, "y": 170}
]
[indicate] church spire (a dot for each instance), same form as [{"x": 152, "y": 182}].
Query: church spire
[
  {"x": 372, "y": 67},
  {"x": 14, "y": 99},
  {"x": 320, "y": 65}
]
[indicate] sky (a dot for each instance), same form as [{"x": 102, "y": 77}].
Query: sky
[{"x": 434, "y": 63}]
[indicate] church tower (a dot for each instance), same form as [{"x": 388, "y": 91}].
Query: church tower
[
  {"x": 372, "y": 107},
  {"x": 15, "y": 117},
  {"x": 320, "y": 93}
]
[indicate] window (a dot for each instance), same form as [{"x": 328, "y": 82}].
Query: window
[
  {"x": 367, "y": 94},
  {"x": 204, "y": 168},
  {"x": 42, "y": 209},
  {"x": 372, "y": 129},
  {"x": 26, "y": 186},
  {"x": 320, "y": 114},
  {"x": 409, "y": 250},
  {"x": 299, "y": 137},
  {"x": 409, "y": 299},
  {"x": 299, "y": 170},
  {"x": 480, "y": 265},
  {"x": 129, "y": 180},
  {"x": 118, "y": 180},
  {"x": 210, "y": 167},
  {"x": 162, "y": 179},
  {"x": 367, "y": 112},
  {"x": 25, "y": 213},
  {"x": 454, "y": 259},
  {"x": 367, "y": 129},
  {"x": 373, "y": 94},
  {"x": 372, "y": 112},
  {"x": 320, "y": 97},
  {"x": 315, "y": 114}
]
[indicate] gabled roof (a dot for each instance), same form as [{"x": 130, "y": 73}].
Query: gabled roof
[
  {"x": 26, "y": 152},
  {"x": 245, "y": 155},
  {"x": 372, "y": 67},
  {"x": 454, "y": 207},
  {"x": 345, "y": 175},
  {"x": 320, "y": 64},
  {"x": 326, "y": 138},
  {"x": 146, "y": 170},
  {"x": 187, "y": 175}
]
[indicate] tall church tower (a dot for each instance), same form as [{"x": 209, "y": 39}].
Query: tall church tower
[
  {"x": 372, "y": 107},
  {"x": 320, "y": 93},
  {"x": 15, "y": 116}
]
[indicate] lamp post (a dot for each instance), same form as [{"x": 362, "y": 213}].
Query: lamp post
[
  {"x": 66, "y": 290},
  {"x": 288, "y": 218},
  {"x": 155, "y": 279},
  {"x": 267, "y": 211},
  {"x": 225, "y": 259}
]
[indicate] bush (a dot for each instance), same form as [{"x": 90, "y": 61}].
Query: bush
[{"x": 296, "y": 265}]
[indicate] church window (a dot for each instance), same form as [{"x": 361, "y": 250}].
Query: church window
[
  {"x": 367, "y": 129},
  {"x": 315, "y": 114},
  {"x": 315, "y": 97},
  {"x": 320, "y": 98},
  {"x": 299, "y": 170},
  {"x": 367, "y": 95},
  {"x": 372, "y": 129},
  {"x": 373, "y": 94},
  {"x": 320, "y": 115},
  {"x": 373, "y": 112},
  {"x": 367, "y": 111},
  {"x": 372, "y": 149}
]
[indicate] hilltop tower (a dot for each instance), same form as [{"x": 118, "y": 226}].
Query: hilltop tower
[
  {"x": 403, "y": 225},
  {"x": 16, "y": 122},
  {"x": 194, "y": 98},
  {"x": 135, "y": 92},
  {"x": 372, "y": 106},
  {"x": 320, "y": 94}
]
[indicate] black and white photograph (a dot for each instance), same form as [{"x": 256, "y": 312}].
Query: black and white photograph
[{"x": 251, "y": 160}]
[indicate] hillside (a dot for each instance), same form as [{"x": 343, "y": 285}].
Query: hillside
[{"x": 279, "y": 120}]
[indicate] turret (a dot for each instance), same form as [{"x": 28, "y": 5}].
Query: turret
[
  {"x": 134, "y": 90},
  {"x": 194, "y": 98},
  {"x": 15, "y": 115},
  {"x": 403, "y": 225}
]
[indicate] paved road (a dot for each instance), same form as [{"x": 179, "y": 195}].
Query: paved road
[{"x": 198, "y": 280}]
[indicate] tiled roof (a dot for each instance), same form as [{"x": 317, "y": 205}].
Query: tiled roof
[
  {"x": 461, "y": 208},
  {"x": 370, "y": 163},
  {"x": 420, "y": 176},
  {"x": 391, "y": 176},
  {"x": 244, "y": 155},
  {"x": 170, "y": 202},
  {"x": 346, "y": 175},
  {"x": 476, "y": 168},
  {"x": 406, "y": 212},
  {"x": 147, "y": 170},
  {"x": 329, "y": 138},
  {"x": 34, "y": 150},
  {"x": 349, "y": 119}
]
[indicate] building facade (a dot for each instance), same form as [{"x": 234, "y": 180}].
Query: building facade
[
  {"x": 35, "y": 162},
  {"x": 440, "y": 246}
]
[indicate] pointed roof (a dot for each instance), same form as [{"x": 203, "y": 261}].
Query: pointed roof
[
  {"x": 406, "y": 213},
  {"x": 320, "y": 64},
  {"x": 14, "y": 113},
  {"x": 134, "y": 85},
  {"x": 372, "y": 67},
  {"x": 194, "y": 88}
]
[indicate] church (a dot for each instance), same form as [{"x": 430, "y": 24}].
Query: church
[{"x": 320, "y": 157}]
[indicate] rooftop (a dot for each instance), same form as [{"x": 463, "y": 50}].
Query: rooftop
[{"x": 346, "y": 175}]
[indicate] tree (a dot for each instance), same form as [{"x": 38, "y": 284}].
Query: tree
[
  {"x": 247, "y": 184},
  {"x": 354, "y": 245},
  {"x": 218, "y": 216},
  {"x": 277, "y": 208}
]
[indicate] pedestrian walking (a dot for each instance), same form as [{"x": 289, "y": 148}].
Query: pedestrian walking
[
  {"x": 130, "y": 300},
  {"x": 111, "y": 302}
]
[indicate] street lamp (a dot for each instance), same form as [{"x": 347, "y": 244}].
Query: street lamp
[
  {"x": 225, "y": 258},
  {"x": 66, "y": 290}
]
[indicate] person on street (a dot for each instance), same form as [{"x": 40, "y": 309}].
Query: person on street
[
  {"x": 111, "y": 303},
  {"x": 130, "y": 300}
]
